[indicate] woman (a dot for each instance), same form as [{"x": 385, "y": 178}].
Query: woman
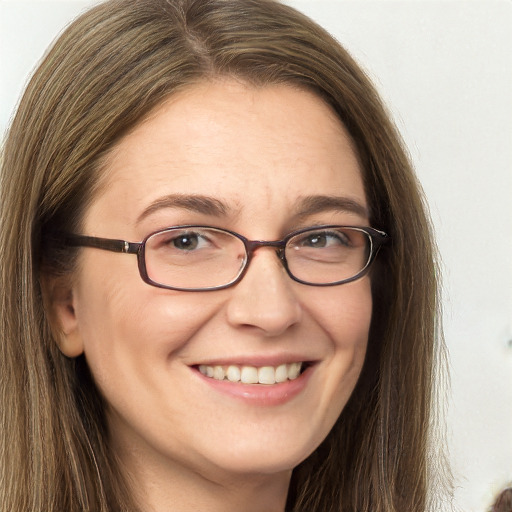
[{"x": 268, "y": 341}]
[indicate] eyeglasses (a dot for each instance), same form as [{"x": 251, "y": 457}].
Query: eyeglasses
[{"x": 202, "y": 258}]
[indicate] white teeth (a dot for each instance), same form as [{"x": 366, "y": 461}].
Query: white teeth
[
  {"x": 281, "y": 373},
  {"x": 218, "y": 373},
  {"x": 249, "y": 375},
  {"x": 233, "y": 373},
  {"x": 206, "y": 370},
  {"x": 266, "y": 375},
  {"x": 252, "y": 375},
  {"x": 294, "y": 370}
]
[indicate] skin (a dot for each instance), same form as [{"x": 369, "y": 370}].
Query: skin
[{"x": 259, "y": 151}]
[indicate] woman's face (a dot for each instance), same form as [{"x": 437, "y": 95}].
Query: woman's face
[{"x": 265, "y": 158}]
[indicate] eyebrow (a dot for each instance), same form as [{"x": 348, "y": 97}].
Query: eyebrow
[
  {"x": 311, "y": 205},
  {"x": 207, "y": 205},
  {"x": 196, "y": 203}
]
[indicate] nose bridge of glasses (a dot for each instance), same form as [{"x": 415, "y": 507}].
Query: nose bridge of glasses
[{"x": 253, "y": 245}]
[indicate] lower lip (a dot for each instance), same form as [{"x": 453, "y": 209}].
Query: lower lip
[{"x": 260, "y": 394}]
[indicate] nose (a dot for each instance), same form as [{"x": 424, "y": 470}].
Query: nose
[{"x": 264, "y": 299}]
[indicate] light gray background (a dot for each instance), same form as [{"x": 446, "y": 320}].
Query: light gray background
[{"x": 445, "y": 70}]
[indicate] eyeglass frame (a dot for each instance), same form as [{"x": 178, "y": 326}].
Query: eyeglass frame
[{"x": 376, "y": 236}]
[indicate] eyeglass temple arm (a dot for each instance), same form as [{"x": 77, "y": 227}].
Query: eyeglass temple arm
[
  {"x": 379, "y": 237},
  {"x": 106, "y": 244}
]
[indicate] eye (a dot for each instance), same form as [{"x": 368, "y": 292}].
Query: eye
[
  {"x": 324, "y": 239},
  {"x": 180, "y": 241},
  {"x": 198, "y": 241},
  {"x": 187, "y": 241}
]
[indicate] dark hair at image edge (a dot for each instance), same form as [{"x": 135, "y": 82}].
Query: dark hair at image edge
[{"x": 105, "y": 74}]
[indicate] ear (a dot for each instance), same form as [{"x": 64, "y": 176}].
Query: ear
[{"x": 60, "y": 308}]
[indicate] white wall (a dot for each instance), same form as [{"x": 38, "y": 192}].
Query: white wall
[{"x": 445, "y": 70}]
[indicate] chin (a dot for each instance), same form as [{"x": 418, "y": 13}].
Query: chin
[{"x": 263, "y": 458}]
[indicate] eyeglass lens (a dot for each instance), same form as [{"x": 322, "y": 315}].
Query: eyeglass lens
[{"x": 201, "y": 258}]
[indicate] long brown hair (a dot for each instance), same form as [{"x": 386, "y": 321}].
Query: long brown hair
[{"x": 108, "y": 71}]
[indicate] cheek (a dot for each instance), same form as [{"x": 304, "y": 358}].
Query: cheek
[
  {"x": 345, "y": 314},
  {"x": 128, "y": 327}
]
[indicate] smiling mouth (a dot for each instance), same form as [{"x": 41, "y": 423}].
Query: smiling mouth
[{"x": 254, "y": 375}]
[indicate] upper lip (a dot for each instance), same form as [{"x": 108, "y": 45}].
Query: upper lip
[{"x": 256, "y": 360}]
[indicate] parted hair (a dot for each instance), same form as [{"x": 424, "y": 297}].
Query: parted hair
[{"x": 107, "y": 72}]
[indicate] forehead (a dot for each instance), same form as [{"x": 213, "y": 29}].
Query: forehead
[{"x": 253, "y": 148}]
